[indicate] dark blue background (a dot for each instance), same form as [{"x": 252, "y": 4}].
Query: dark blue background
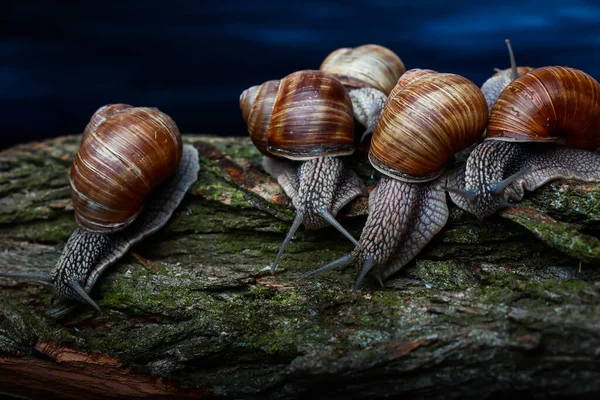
[{"x": 61, "y": 60}]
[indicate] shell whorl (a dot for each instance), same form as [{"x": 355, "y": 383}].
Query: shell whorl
[
  {"x": 120, "y": 160},
  {"x": 369, "y": 65},
  {"x": 425, "y": 123},
  {"x": 307, "y": 114},
  {"x": 550, "y": 104}
]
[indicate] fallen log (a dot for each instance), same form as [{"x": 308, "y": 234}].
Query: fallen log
[{"x": 509, "y": 305}]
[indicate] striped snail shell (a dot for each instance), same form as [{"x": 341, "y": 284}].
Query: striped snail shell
[
  {"x": 541, "y": 128},
  {"x": 426, "y": 121},
  {"x": 305, "y": 115},
  {"x": 554, "y": 104},
  {"x": 126, "y": 152},
  {"x": 366, "y": 66}
]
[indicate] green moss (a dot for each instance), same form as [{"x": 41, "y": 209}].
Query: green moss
[
  {"x": 55, "y": 230},
  {"x": 444, "y": 275},
  {"x": 563, "y": 237},
  {"x": 572, "y": 203}
]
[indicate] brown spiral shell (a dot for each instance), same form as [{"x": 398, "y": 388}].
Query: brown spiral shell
[
  {"x": 121, "y": 159},
  {"x": 305, "y": 115},
  {"x": 425, "y": 123},
  {"x": 549, "y": 104},
  {"x": 369, "y": 65}
]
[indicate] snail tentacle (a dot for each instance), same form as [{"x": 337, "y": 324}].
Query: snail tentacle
[
  {"x": 318, "y": 188},
  {"x": 295, "y": 225},
  {"x": 403, "y": 218},
  {"x": 340, "y": 262},
  {"x": 83, "y": 295},
  {"x": 36, "y": 276}
]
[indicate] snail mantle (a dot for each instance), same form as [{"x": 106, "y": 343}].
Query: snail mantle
[{"x": 195, "y": 311}]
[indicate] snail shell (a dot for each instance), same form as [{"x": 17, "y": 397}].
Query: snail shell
[
  {"x": 367, "y": 66},
  {"x": 549, "y": 104},
  {"x": 307, "y": 114},
  {"x": 424, "y": 123},
  {"x": 125, "y": 153}
]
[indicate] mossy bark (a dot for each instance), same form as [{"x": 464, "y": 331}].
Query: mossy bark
[{"x": 502, "y": 306}]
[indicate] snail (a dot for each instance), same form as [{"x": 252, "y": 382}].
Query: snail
[
  {"x": 128, "y": 177},
  {"x": 492, "y": 88},
  {"x": 369, "y": 72},
  {"x": 302, "y": 123},
  {"x": 429, "y": 116},
  {"x": 543, "y": 127}
]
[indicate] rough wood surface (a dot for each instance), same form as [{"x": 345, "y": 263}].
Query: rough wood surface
[{"x": 490, "y": 308}]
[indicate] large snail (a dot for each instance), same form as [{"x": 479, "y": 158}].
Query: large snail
[
  {"x": 130, "y": 173},
  {"x": 369, "y": 72},
  {"x": 542, "y": 127},
  {"x": 302, "y": 123},
  {"x": 428, "y": 117}
]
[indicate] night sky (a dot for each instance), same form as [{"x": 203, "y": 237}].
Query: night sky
[{"x": 61, "y": 60}]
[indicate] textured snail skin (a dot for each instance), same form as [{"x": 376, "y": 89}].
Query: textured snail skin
[
  {"x": 367, "y": 106},
  {"x": 320, "y": 183},
  {"x": 494, "y": 161},
  {"x": 318, "y": 188},
  {"x": 87, "y": 255},
  {"x": 422, "y": 126}
]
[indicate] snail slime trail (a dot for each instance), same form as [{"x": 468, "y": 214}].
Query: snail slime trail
[
  {"x": 427, "y": 113},
  {"x": 302, "y": 124},
  {"x": 119, "y": 140}
]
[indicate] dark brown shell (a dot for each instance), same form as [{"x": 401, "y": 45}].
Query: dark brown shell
[
  {"x": 370, "y": 65},
  {"x": 307, "y": 114},
  {"x": 120, "y": 161},
  {"x": 426, "y": 123},
  {"x": 549, "y": 104}
]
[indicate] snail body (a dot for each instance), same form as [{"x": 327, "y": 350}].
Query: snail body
[
  {"x": 542, "y": 127},
  {"x": 427, "y": 119},
  {"x": 129, "y": 175},
  {"x": 369, "y": 72},
  {"x": 301, "y": 124}
]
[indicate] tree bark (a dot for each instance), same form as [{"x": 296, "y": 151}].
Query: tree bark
[{"x": 509, "y": 305}]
